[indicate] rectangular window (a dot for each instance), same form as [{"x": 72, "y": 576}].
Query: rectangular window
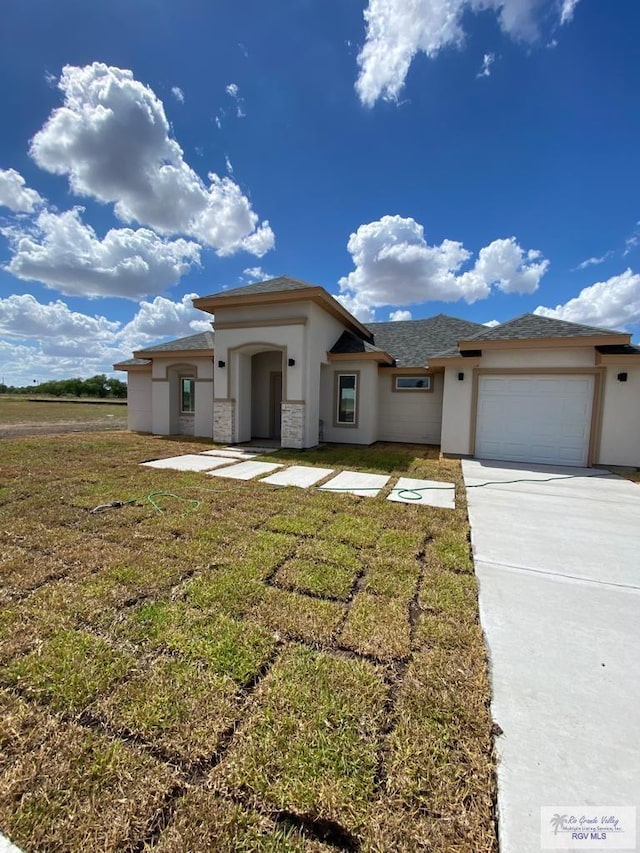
[
  {"x": 412, "y": 383},
  {"x": 346, "y": 403},
  {"x": 187, "y": 394}
]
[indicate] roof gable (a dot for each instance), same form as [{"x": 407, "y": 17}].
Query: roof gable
[{"x": 280, "y": 284}]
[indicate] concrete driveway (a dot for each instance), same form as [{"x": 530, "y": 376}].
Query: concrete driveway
[{"x": 558, "y": 565}]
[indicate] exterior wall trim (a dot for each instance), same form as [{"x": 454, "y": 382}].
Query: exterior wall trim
[
  {"x": 546, "y": 343},
  {"x": 382, "y": 357},
  {"x": 257, "y": 324}
]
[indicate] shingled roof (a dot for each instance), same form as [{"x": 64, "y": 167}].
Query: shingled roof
[
  {"x": 201, "y": 341},
  {"x": 271, "y": 285},
  {"x": 412, "y": 342},
  {"x": 532, "y": 326}
]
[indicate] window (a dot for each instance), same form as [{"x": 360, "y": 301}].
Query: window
[
  {"x": 346, "y": 399},
  {"x": 187, "y": 394},
  {"x": 412, "y": 383}
]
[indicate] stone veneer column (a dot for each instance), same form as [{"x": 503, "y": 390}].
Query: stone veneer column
[
  {"x": 224, "y": 421},
  {"x": 292, "y": 425}
]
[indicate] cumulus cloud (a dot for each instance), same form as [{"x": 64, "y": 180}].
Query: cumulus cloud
[
  {"x": 400, "y": 315},
  {"x": 487, "y": 61},
  {"x": 396, "y": 30},
  {"x": 111, "y": 138},
  {"x": 492, "y": 323},
  {"x": 65, "y": 254},
  {"x": 178, "y": 94},
  {"x": 395, "y": 265},
  {"x": 22, "y": 316},
  {"x": 163, "y": 318},
  {"x": 614, "y": 303},
  {"x": 15, "y": 194},
  {"x": 632, "y": 240},
  {"x": 48, "y": 340}
]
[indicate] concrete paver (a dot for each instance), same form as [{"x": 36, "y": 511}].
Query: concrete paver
[
  {"x": 189, "y": 462},
  {"x": 428, "y": 492},
  {"x": 558, "y": 565},
  {"x": 302, "y": 476},
  {"x": 245, "y": 470},
  {"x": 356, "y": 483}
]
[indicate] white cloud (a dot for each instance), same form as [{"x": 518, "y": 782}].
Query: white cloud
[
  {"x": 505, "y": 265},
  {"x": 594, "y": 261},
  {"x": 65, "y": 254},
  {"x": 567, "y": 11},
  {"x": 228, "y": 164},
  {"x": 614, "y": 303},
  {"x": 492, "y": 323},
  {"x": 632, "y": 241},
  {"x": 112, "y": 139},
  {"x": 15, "y": 194},
  {"x": 487, "y": 61},
  {"x": 396, "y": 30},
  {"x": 23, "y": 316},
  {"x": 178, "y": 94},
  {"x": 400, "y": 315},
  {"x": 56, "y": 342},
  {"x": 252, "y": 274},
  {"x": 395, "y": 265},
  {"x": 234, "y": 92},
  {"x": 163, "y": 318}
]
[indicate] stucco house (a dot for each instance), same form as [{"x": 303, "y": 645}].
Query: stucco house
[{"x": 288, "y": 362}]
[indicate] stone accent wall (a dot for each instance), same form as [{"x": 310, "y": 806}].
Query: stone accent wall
[
  {"x": 224, "y": 421},
  {"x": 186, "y": 423},
  {"x": 292, "y": 429}
]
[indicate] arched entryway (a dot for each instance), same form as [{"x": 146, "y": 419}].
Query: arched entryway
[{"x": 258, "y": 382}]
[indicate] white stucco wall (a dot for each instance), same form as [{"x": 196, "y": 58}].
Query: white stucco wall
[
  {"x": 366, "y": 432},
  {"x": 456, "y": 410},
  {"x": 620, "y": 433},
  {"x": 139, "y": 401},
  {"x": 166, "y": 395},
  {"x": 411, "y": 416},
  {"x": 552, "y": 357}
]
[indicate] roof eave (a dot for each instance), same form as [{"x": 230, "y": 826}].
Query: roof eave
[
  {"x": 172, "y": 353},
  {"x": 630, "y": 359},
  {"x": 313, "y": 293},
  {"x": 380, "y": 357},
  {"x": 546, "y": 343}
]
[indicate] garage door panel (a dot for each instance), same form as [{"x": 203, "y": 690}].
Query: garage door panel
[{"x": 544, "y": 419}]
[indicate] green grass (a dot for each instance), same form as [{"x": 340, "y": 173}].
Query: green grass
[
  {"x": 19, "y": 411},
  {"x": 312, "y": 742},
  {"x": 270, "y": 663}
]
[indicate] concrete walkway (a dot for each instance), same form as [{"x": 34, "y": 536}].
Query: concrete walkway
[{"x": 558, "y": 565}]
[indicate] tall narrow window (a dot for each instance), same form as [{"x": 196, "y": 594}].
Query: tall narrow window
[
  {"x": 346, "y": 402},
  {"x": 187, "y": 394}
]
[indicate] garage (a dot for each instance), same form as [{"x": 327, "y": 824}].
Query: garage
[{"x": 544, "y": 418}]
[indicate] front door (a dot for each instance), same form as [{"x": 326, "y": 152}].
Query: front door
[{"x": 275, "y": 404}]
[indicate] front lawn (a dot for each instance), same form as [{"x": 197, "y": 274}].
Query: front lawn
[{"x": 238, "y": 667}]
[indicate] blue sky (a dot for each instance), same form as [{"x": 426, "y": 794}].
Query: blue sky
[{"x": 477, "y": 157}]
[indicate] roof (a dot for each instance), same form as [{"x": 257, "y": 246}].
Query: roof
[
  {"x": 412, "y": 342},
  {"x": 201, "y": 341},
  {"x": 531, "y": 326},
  {"x": 348, "y": 343},
  {"x": 133, "y": 362},
  {"x": 271, "y": 285}
]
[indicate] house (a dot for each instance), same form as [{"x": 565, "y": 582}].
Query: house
[{"x": 289, "y": 362}]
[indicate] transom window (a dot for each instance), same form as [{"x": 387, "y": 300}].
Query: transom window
[
  {"x": 346, "y": 399},
  {"x": 187, "y": 395},
  {"x": 412, "y": 383}
]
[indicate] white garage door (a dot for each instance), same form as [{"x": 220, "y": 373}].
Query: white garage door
[{"x": 544, "y": 419}]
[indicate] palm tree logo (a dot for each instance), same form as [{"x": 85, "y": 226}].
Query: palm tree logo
[{"x": 557, "y": 822}]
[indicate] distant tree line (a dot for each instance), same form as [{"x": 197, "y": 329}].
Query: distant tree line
[{"x": 96, "y": 386}]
